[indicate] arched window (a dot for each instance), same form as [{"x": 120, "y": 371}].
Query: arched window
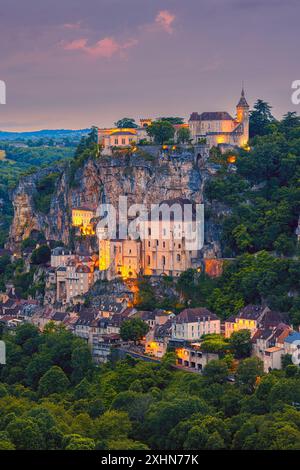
[{"x": 163, "y": 260}]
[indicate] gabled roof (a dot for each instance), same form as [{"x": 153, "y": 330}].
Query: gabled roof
[
  {"x": 251, "y": 312},
  {"x": 211, "y": 116},
  {"x": 273, "y": 318},
  {"x": 59, "y": 316},
  {"x": 192, "y": 315},
  {"x": 162, "y": 331}
]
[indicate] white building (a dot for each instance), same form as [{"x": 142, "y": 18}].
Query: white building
[{"x": 192, "y": 323}]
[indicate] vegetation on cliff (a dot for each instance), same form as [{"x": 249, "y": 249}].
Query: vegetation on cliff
[{"x": 264, "y": 192}]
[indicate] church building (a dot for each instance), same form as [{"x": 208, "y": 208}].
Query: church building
[{"x": 218, "y": 127}]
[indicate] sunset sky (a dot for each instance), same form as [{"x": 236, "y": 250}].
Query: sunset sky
[{"x": 75, "y": 63}]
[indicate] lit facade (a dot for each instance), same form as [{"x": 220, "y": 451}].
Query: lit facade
[
  {"x": 81, "y": 218},
  {"x": 110, "y": 138},
  {"x": 74, "y": 279},
  {"x": 192, "y": 323},
  {"x": 220, "y": 128},
  {"x": 162, "y": 248}
]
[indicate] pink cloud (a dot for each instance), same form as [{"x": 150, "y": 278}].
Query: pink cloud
[
  {"x": 72, "y": 25},
  {"x": 76, "y": 45},
  {"x": 106, "y": 47},
  {"x": 165, "y": 19}
]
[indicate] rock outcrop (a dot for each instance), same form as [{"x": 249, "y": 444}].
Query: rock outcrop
[{"x": 145, "y": 177}]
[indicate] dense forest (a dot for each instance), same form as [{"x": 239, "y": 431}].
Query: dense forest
[{"x": 53, "y": 397}]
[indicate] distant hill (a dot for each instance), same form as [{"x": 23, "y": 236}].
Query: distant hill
[{"x": 46, "y": 133}]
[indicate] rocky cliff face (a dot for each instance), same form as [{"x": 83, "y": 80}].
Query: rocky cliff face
[{"x": 146, "y": 177}]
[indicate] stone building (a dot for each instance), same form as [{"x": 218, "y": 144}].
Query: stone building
[
  {"x": 74, "y": 279},
  {"x": 219, "y": 127},
  {"x": 82, "y": 219},
  {"x": 110, "y": 138},
  {"x": 163, "y": 246},
  {"x": 192, "y": 323}
]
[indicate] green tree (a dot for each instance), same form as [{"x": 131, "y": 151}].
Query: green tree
[
  {"x": 53, "y": 381},
  {"x": 81, "y": 362},
  {"x": 172, "y": 120},
  {"x": 216, "y": 371},
  {"x": 77, "y": 442},
  {"x": 133, "y": 329},
  {"x": 41, "y": 255},
  {"x": 25, "y": 434},
  {"x": 126, "y": 123},
  {"x": 248, "y": 371},
  {"x": 183, "y": 135},
  {"x": 260, "y": 118},
  {"x": 240, "y": 342},
  {"x": 112, "y": 425},
  {"x": 161, "y": 131}
]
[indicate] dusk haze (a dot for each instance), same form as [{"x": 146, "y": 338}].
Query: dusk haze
[
  {"x": 149, "y": 233},
  {"x": 71, "y": 64}
]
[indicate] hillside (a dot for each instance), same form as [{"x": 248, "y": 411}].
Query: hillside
[{"x": 44, "y": 133}]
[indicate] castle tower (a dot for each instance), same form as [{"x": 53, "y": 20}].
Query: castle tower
[{"x": 242, "y": 116}]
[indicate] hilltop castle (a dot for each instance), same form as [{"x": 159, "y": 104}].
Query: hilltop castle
[{"x": 220, "y": 128}]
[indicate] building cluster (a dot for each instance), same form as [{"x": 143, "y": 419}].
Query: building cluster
[
  {"x": 272, "y": 337},
  {"x": 160, "y": 249},
  {"x": 213, "y": 127},
  {"x": 71, "y": 275}
]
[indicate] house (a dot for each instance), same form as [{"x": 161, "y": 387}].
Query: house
[
  {"x": 248, "y": 318},
  {"x": 146, "y": 316},
  {"x": 192, "y": 323},
  {"x": 229, "y": 326},
  {"x": 193, "y": 358},
  {"x": 109, "y": 307},
  {"x": 219, "y": 128},
  {"x": 110, "y": 138},
  {"x": 268, "y": 344},
  {"x": 74, "y": 279},
  {"x": 101, "y": 347},
  {"x": 273, "y": 358},
  {"x": 84, "y": 324},
  {"x": 60, "y": 256},
  {"x": 157, "y": 339},
  {"x": 292, "y": 346}
]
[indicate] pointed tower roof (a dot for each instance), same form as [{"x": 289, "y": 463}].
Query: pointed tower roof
[{"x": 243, "y": 102}]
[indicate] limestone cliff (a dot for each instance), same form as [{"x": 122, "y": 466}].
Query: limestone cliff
[{"x": 145, "y": 177}]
